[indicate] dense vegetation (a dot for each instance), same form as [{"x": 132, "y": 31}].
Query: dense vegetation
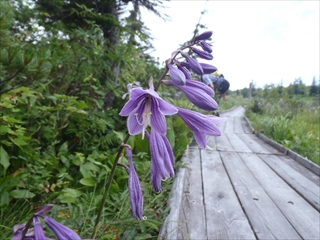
[{"x": 64, "y": 67}]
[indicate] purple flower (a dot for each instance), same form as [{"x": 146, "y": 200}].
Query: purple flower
[
  {"x": 129, "y": 87},
  {"x": 203, "y": 36},
  {"x": 198, "y": 93},
  {"x": 135, "y": 192},
  {"x": 146, "y": 108},
  {"x": 201, "y": 53},
  {"x": 205, "y": 46},
  {"x": 162, "y": 159},
  {"x": 38, "y": 230},
  {"x": 185, "y": 71},
  {"x": 194, "y": 65},
  {"x": 17, "y": 232},
  {"x": 207, "y": 68},
  {"x": 60, "y": 230},
  {"x": 201, "y": 125},
  {"x": 176, "y": 75}
]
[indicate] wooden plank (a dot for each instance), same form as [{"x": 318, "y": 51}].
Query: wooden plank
[
  {"x": 223, "y": 144},
  {"x": 267, "y": 146},
  {"x": 229, "y": 126},
  {"x": 192, "y": 202},
  {"x": 245, "y": 125},
  {"x": 237, "y": 144},
  {"x": 265, "y": 218},
  {"x": 238, "y": 127},
  {"x": 302, "y": 216},
  {"x": 301, "y": 169},
  {"x": 255, "y": 146},
  {"x": 224, "y": 216},
  {"x": 308, "y": 189}
]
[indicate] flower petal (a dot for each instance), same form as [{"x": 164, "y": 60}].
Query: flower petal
[
  {"x": 135, "y": 192},
  {"x": 60, "y": 230},
  {"x": 157, "y": 119},
  {"x": 201, "y": 53}
]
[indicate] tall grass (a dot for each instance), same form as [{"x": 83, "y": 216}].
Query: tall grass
[{"x": 291, "y": 123}]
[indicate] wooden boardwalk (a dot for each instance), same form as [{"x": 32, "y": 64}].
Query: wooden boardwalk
[{"x": 244, "y": 188}]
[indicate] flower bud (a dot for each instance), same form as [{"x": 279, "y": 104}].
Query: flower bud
[
  {"x": 203, "y": 36},
  {"x": 206, "y": 46},
  {"x": 176, "y": 75},
  {"x": 194, "y": 65},
  {"x": 207, "y": 68},
  {"x": 201, "y": 53},
  {"x": 185, "y": 72}
]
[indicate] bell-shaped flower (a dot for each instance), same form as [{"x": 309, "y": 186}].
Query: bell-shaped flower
[
  {"x": 194, "y": 64},
  {"x": 185, "y": 71},
  {"x": 207, "y": 68},
  {"x": 176, "y": 75},
  {"x": 203, "y": 36},
  {"x": 201, "y": 125},
  {"x": 201, "y": 53},
  {"x": 60, "y": 230},
  {"x": 146, "y": 108},
  {"x": 162, "y": 159},
  {"x": 17, "y": 232},
  {"x": 135, "y": 192},
  {"x": 38, "y": 230},
  {"x": 205, "y": 46},
  {"x": 198, "y": 93}
]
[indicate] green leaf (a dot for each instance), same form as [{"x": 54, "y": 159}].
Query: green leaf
[
  {"x": 4, "y": 200},
  {"x": 21, "y": 194},
  {"x": 88, "y": 182},
  {"x": 4, "y": 159}
]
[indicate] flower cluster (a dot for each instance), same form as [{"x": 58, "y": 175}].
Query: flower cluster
[
  {"x": 37, "y": 233},
  {"x": 146, "y": 108}
]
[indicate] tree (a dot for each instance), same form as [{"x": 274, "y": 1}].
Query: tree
[{"x": 314, "y": 88}]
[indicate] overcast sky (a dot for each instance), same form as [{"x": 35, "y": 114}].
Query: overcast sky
[{"x": 261, "y": 41}]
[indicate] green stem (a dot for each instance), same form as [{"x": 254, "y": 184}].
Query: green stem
[{"x": 108, "y": 184}]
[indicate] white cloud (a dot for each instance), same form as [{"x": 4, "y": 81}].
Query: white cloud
[{"x": 263, "y": 41}]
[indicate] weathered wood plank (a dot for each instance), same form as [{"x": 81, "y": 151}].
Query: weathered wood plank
[
  {"x": 301, "y": 169},
  {"x": 257, "y": 145},
  {"x": 238, "y": 126},
  {"x": 302, "y": 216},
  {"x": 229, "y": 125},
  {"x": 223, "y": 144},
  {"x": 237, "y": 144},
  {"x": 308, "y": 189},
  {"x": 224, "y": 216},
  {"x": 245, "y": 124},
  {"x": 192, "y": 202},
  {"x": 265, "y": 218}
]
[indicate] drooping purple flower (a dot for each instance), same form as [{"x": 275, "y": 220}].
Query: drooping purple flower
[
  {"x": 176, "y": 75},
  {"x": 205, "y": 46},
  {"x": 203, "y": 36},
  {"x": 185, "y": 71},
  {"x": 162, "y": 159},
  {"x": 17, "y": 231},
  {"x": 135, "y": 192},
  {"x": 146, "y": 108},
  {"x": 207, "y": 68},
  {"x": 38, "y": 230},
  {"x": 60, "y": 230},
  {"x": 198, "y": 93},
  {"x": 201, "y": 125},
  {"x": 194, "y": 65},
  {"x": 201, "y": 53}
]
